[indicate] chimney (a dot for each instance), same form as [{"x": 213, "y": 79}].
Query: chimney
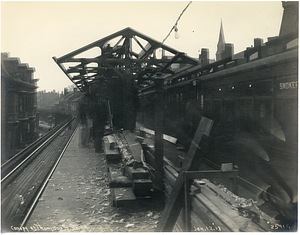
[
  {"x": 229, "y": 50},
  {"x": 204, "y": 57},
  {"x": 66, "y": 91},
  {"x": 258, "y": 42},
  {"x": 290, "y": 18}
]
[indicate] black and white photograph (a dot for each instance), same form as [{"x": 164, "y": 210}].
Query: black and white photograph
[{"x": 149, "y": 116}]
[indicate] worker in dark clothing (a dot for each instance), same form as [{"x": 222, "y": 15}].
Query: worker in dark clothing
[
  {"x": 100, "y": 120},
  {"x": 82, "y": 112}
]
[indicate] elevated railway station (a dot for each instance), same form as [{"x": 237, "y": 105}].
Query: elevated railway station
[{"x": 185, "y": 144}]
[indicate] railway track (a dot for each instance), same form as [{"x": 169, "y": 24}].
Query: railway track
[{"x": 25, "y": 176}]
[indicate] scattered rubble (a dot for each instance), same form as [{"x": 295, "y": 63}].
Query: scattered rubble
[{"x": 92, "y": 208}]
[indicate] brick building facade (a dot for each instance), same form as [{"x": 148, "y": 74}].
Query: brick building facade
[{"x": 19, "y": 117}]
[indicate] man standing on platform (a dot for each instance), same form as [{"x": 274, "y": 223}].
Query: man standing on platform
[{"x": 101, "y": 117}]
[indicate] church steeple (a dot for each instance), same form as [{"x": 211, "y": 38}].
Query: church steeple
[{"x": 221, "y": 43}]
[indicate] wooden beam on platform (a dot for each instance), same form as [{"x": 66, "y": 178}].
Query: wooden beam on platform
[{"x": 176, "y": 200}]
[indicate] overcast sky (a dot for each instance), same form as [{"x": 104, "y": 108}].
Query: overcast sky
[{"x": 37, "y": 31}]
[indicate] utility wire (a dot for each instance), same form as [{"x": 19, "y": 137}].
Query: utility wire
[{"x": 175, "y": 25}]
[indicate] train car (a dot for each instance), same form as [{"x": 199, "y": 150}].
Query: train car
[{"x": 253, "y": 99}]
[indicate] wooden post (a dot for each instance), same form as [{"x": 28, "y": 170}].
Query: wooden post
[
  {"x": 187, "y": 198},
  {"x": 176, "y": 200},
  {"x": 159, "y": 130}
]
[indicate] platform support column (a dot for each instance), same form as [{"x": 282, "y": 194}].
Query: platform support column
[{"x": 159, "y": 130}]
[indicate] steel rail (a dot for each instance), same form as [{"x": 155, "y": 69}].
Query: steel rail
[
  {"x": 23, "y": 151},
  {"x": 28, "y": 214},
  {"x": 48, "y": 140}
]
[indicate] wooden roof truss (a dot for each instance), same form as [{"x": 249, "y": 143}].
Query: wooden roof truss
[{"x": 126, "y": 54}]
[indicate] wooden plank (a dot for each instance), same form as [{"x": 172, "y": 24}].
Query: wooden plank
[
  {"x": 221, "y": 209},
  {"x": 168, "y": 138},
  {"x": 171, "y": 152},
  {"x": 116, "y": 178},
  {"x": 111, "y": 154},
  {"x": 176, "y": 200},
  {"x": 209, "y": 214},
  {"x": 172, "y": 170},
  {"x": 142, "y": 187},
  {"x": 169, "y": 178},
  {"x": 150, "y": 158},
  {"x": 230, "y": 198},
  {"x": 135, "y": 146},
  {"x": 113, "y": 171},
  {"x": 112, "y": 142},
  {"x": 138, "y": 173},
  {"x": 122, "y": 196}
]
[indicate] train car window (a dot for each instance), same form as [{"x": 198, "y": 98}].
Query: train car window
[
  {"x": 263, "y": 108},
  {"x": 229, "y": 91},
  {"x": 207, "y": 111},
  {"x": 245, "y": 114},
  {"x": 229, "y": 110},
  {"x": 245, "y": 89},
  {"x": 264, "y": 88},
  {"x": 217, "y": 92},
  {"x": 265, "y": 119},
  {"x": 220, "y": 67},
  {"x": 254, "y": 56},
  {"x": 292, "y": 44},
  {"x": 168, "y": 98},
  {"x": 208, "y": 92},
  {"x": 287, "y": 118},
  {"x": 217, "y": 110}
]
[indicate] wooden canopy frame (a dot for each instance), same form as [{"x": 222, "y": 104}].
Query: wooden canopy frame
[{"x": 121, "y": 59}]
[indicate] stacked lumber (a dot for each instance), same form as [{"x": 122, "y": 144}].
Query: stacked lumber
[
  {"x": 121, "y": 186},
  {"x": 137, "y": 170},
  {"x": 128, "y": 179},
  {"x": 110, "y": 149},
  {"x": 216, "y": 209}
]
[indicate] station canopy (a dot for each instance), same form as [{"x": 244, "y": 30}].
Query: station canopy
[{"x": 127, "y": 55}]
